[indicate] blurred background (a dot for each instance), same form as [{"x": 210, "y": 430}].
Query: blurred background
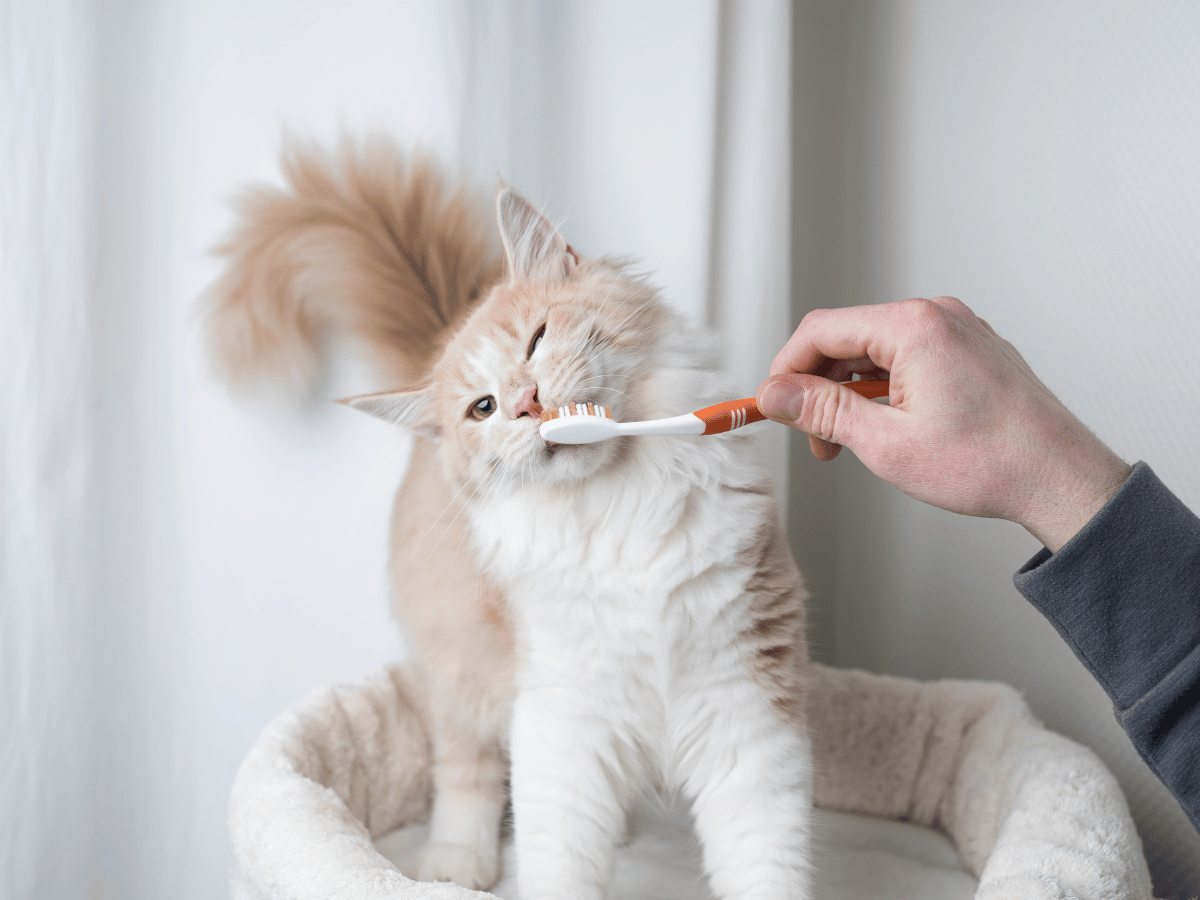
[{"x": 179, "y": 563}]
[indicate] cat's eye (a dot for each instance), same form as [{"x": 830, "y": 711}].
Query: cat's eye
[
  {"x": 537, "y": 339},
  {"x": 482, "y": 408}
]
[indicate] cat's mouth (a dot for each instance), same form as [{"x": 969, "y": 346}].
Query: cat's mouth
[
  {"x": 553, "y": 446},
  {"x": 551, "y": 449}
]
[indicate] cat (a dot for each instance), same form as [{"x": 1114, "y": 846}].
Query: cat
[{"x": 610, "y": 620}]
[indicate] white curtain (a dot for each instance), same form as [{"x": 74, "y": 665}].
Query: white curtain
[
  {"x": 48, "y": 620},
  {"x": 180, "y": 564}
]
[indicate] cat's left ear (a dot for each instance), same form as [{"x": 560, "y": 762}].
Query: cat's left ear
[
  {"x": 534, "y": 248},
  {"x": 408, "y": 409}
]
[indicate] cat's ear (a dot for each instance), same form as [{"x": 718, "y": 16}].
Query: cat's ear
[
  {"x": 533, "y": 246},
  {"x": 408, "y": 409}
]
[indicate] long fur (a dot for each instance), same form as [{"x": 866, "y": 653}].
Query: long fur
[
  {"x": 363, "y": 242},
  {"x": 630, "y": 607}
]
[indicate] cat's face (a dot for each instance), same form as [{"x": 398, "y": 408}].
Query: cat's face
[
  {"x": 538, "y": 345},
  {"x": 559, "y": 331}
]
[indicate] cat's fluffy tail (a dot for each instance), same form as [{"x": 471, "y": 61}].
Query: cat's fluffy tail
[{"x": 366, "y": 243}]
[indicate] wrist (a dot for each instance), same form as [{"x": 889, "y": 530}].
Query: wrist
[{"x": 1071, "y": 495}]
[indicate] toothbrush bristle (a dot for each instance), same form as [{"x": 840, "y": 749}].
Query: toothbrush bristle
[{"x": 576, "y": 409}]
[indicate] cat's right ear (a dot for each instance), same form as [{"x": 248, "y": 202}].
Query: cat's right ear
[
  {"x": 533, "y": 246},
  {"x": 408, "y": 409}
]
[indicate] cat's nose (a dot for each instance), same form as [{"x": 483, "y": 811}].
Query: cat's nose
[{"x": 528, "y": 404}]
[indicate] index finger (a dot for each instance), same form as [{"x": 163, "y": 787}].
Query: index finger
[{"x": 852, "y": 332}]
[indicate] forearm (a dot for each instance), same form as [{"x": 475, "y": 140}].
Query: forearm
[{"x": 1125, "y": 594}]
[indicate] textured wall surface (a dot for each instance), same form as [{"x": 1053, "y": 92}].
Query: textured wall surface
[{"x": 1039, "y": 162}]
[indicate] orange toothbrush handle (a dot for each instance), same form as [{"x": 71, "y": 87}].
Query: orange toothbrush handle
[
  {"x": 728, "y": 415},
  {"x": 735, "y": 413},
  {"x": 872, "y": 390}
]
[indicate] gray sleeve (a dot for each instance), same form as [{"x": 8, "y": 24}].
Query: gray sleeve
[{"x": 1125, "y": 595}]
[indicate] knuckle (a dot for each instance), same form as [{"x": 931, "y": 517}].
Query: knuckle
[
  {"x": 925, "y": 317},
  {"x": 814, "y": 318},
  {"x": 828, "y": 415},
  {"x": 949, "y": 302},
  {"x": 919, "y": 309}
]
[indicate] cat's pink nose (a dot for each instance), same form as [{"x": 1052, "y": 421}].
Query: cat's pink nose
[{"x": 528, "y": 404}]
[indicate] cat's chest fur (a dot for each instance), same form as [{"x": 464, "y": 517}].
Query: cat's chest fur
[{"x": 650, "y": 562}]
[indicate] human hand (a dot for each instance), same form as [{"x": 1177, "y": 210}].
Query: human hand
[{"x": 968, "y": 428}]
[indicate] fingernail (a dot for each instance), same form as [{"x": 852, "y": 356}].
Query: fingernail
[{"x": 782, "y": 400}]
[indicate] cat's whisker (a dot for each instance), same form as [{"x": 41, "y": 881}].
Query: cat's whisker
[
  {"x": 457, "y": 553},
  {"x": 591, "y": 333},
  {"x": 475, "y": 493},
  {"x": 638, "y": 309},
  {"x": 618, "y": 279},
  {"x": 586, "y": 383},
  {"x": 499, "y": 472},
  {"x": 607, "y": 375},
  {"x": 609, "y": 390},
  {"x": 584, "y": 338},
  {"x": 436, "y": 521},
  {"x": 438, "y": 543}
]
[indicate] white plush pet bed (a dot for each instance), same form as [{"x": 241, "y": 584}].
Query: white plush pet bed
[{"x": 925, "y": 790}]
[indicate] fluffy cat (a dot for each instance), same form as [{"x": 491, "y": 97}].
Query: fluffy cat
[{"x": 622, "y": 618}]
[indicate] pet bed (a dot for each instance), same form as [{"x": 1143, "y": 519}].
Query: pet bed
[{"x": 903, "y": 768}]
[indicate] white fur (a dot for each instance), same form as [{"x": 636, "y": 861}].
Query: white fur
[{"x": 629, "y": 594}]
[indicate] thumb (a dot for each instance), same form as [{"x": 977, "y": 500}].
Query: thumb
[{"x": 828, "y": 412}]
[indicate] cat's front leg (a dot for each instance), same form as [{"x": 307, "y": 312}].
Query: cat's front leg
[
  {"x": 753, "y": 807},
  {"x": 464, "y": 832},
  {"x": 568, "y": 804}
]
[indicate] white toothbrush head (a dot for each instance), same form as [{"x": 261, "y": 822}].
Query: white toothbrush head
[{"x": 577, "y": 423}]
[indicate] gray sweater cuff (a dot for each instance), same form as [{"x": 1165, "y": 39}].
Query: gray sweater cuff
[{"x": 1123, "y": 592}]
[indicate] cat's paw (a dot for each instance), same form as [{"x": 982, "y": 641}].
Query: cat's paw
[{"x": 466, "y": 866}]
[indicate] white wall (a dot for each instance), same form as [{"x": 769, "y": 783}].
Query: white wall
[{"x": 1039, "y": 161}]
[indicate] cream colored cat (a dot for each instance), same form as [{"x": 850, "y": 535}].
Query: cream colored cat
[{"x": 623, "y": 617}]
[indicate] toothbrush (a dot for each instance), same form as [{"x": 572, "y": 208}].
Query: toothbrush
[{"x": 586, "y": 423}]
